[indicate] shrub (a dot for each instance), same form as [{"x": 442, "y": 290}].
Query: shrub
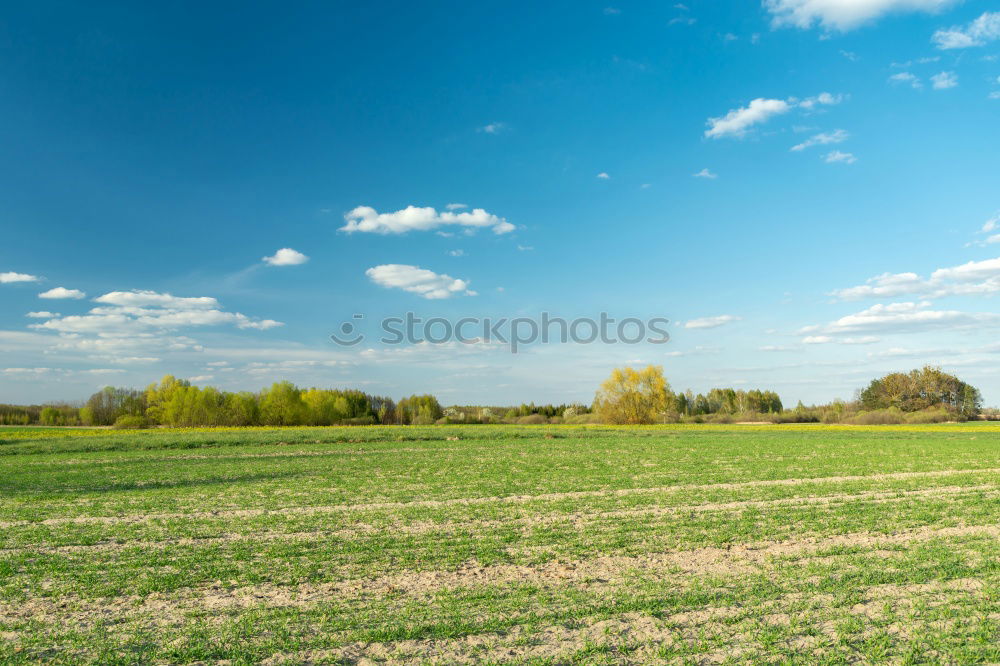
[
  {"x": 891, "y": 416},
  {"x": 130, "y": 422},
  {"x": 532, "y": 419},
  {"x": 582, "y": 419},
  {"x": 930, "y": 416}
]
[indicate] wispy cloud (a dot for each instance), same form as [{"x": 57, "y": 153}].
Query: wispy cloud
[
  {"x": 493, "y": 128},
  {"x": 979, "y": 32},
  {"x": 822, "y": 139},
  {"x": 839, "y": 157},
  {"x": 706, "y": 173},
  {"x": 944, "y": 80},
  {"x": 843, "y": 15},
  {"x": 711, "y": 322},
  {"x": 906, "y": 78}
]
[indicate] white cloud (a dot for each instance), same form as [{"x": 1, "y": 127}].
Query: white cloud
[
  {"x": 198, "y": 379},
  {"x": 493, "y": 128},
  {"x": 944, "y": 80},
  {"x": 43, "y": 314},
  {"x": 603, "y": 176},
  {"x": 368, "y": 220},
  {"x": 991, "y": 224},
  {"x": 836, "y": 156},
  {"x": 822, "y": 99},
  {"x": 706, "y": 173},
  {"x": 612, "y": 11},
  {"x": 903, "y": 318},
  {"x": 738, "y": 121},
  {"x": 823, "y": 139},
  {"x": 456, "y": 206},
  {"x": 906, "y": 78},
  {"x": 456, "y": 253},
  {"x": 286, "y": 256},
  {"x": 969, "y": 279},
  {"x": 141, "y": 298},
  {"x": 711, "y": 322},
  {"x": 141, "y": 314},
  {"x": 414, "y": 279},
  {"x": 9, "y": 278},
  {"x": 843, "y": 15},
  {"x": 62, "y": 292},
  {"x": 979, "y": 32},
  {"x": 994, "y": 95}
]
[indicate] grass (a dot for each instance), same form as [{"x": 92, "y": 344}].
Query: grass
[{"x": 507, "y": 544}]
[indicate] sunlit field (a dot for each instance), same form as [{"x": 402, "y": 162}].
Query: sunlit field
[{"x": 505, "y": 544}]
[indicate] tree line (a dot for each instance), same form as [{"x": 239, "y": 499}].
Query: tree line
[
  {"x": 926, "y": 395},
  {"x": 628, "y": 396}
]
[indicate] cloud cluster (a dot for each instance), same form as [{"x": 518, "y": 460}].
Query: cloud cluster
[
  {"x": 414, "y": 279},
  {"x": 971, "y": 278},
  {"x": 136, "y": 313},
  {"x": 979, "y": 32},
  {"x": 738, "y": 121},
  {"x": 412, "y": 218},
  {"x": 843, "y": 15}
]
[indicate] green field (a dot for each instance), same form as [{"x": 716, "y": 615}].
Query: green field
[{"x": 549, "y": 544}]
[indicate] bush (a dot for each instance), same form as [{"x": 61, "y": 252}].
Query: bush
[
  {"x": 129, "y": 422},
  {"x": 532, "y": 419},
  {"x": 891, "y": 416},
  {"x": 582, "y": 419},
  {"x": 930, "y": 416}
]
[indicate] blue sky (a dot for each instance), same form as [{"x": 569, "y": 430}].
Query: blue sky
[{"x": 808, "y": 189}]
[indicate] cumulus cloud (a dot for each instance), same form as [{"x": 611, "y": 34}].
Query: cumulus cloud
[
  {"x": 604, "y": 176},
  {"x": 414, "y": 279},
  {"x": 823, "y": 139},
  {"x": 62, "y": 292},
  {"x": 843, "y": 15},
  {"x": 711, "y": 322},
  {"x": 839, "y": 157},
  {"x": 367, "y": 220},
  {"x": 286, "y": 256},
  {"x": 944, "y": 80},
  {"x": 42, "y": 314},
  {"x": 493, "y": 128},
  {"x": 706, "y": 173},
  {"x": 739, "y": 121},
  {"x": 10, "y": 278},
  {"x": 979, "y": 32},
  {"x": 971, "y": 278}
]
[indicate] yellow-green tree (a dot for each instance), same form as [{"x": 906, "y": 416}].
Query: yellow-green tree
[{"x": 632, "y": 396}]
